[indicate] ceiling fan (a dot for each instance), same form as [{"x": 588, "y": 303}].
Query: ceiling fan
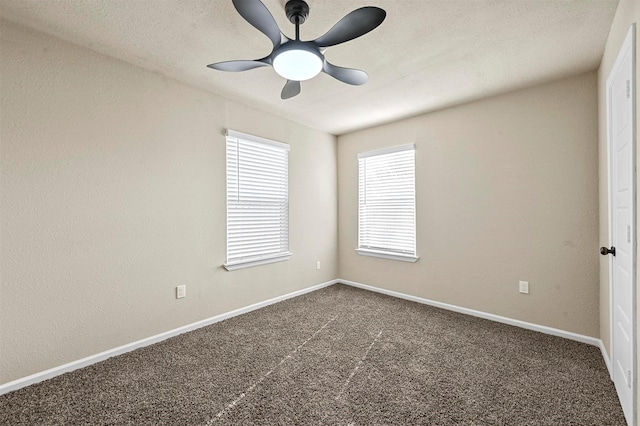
[{"x": 298, "y": 60}]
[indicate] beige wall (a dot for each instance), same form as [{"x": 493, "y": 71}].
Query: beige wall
[
  {"x": 113, "y": 193},
  {"x": 627, "y": 13},
  {"x": 507, "y": 190}
]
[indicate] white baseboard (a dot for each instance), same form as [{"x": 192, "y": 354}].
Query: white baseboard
[
  {"x": 607, "y": 359},
  {"x": 84, "y": 362},
  {"x": 497, "y": 318}
]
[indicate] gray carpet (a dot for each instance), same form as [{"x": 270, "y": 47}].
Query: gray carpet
[{"x": 337, "y": 356}]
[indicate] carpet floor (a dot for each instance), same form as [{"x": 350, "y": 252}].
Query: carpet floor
[{"x": 337, "y": 356}]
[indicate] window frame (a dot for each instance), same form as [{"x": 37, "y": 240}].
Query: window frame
[
  {"x": 381, "y": 252},
  {"x": 265, "y": 258}
]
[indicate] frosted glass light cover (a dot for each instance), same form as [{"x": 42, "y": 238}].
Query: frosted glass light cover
[{"x": 297, "y": 64}]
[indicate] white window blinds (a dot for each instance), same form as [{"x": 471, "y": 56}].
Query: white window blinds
[
  {"x": 387, "y": 203},
  {"x": 257, "y": 201}
]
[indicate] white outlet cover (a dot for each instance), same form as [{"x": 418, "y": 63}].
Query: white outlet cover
[
  {"x": 524, "y": 287},
  {"x": 181, "y": 291}
]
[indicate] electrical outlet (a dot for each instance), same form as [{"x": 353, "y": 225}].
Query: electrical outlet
[
  {"x": 181, "y": 291},
  {"x": 524, "y": 287},
  {"x": 318, "y": 265}
]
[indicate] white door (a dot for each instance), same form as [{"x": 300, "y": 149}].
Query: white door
[{"x": 620, "y": 128}]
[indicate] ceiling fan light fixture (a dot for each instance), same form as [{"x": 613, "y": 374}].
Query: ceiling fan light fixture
[{"x": 297, "y": 61}]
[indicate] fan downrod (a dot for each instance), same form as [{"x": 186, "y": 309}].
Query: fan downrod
[{"x": 297, "y": 11}]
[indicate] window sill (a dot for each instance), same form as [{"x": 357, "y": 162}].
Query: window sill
[
  {"x": 251, "y": 263},
  {"x": 388, "y": 255}
]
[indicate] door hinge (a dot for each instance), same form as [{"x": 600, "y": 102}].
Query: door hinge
[
  {"x": 628, "y": 89},
  {"x": 628, "y": 233},
  {"x": 629, "y": 378}
]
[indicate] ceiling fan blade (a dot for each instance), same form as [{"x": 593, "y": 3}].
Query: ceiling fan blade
[
  {"x": 237, "y": 66},
  {"x": 257, "y": 14},
  {"x": 291, "y": 89},
  {"x": 346, "y": 75},
  {"x": 355, "y": 24}
]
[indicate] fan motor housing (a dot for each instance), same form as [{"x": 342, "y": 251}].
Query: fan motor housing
[{"x": 297, "y": 11}]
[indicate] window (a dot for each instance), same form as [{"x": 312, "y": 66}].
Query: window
[
  {"x": 387, "y": 203},
  {"x": 257, "y": 201}
]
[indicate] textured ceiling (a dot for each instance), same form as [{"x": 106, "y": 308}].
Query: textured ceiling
[{"x": 426, "y": 55}]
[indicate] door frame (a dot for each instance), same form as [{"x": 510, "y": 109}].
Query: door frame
[{"x": 628, "y": 44}]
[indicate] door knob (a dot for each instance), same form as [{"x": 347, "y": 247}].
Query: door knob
[{"x": 605, "y": 251}]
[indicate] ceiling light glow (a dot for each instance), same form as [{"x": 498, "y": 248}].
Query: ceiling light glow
[{"x": 297, "y": 62}]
